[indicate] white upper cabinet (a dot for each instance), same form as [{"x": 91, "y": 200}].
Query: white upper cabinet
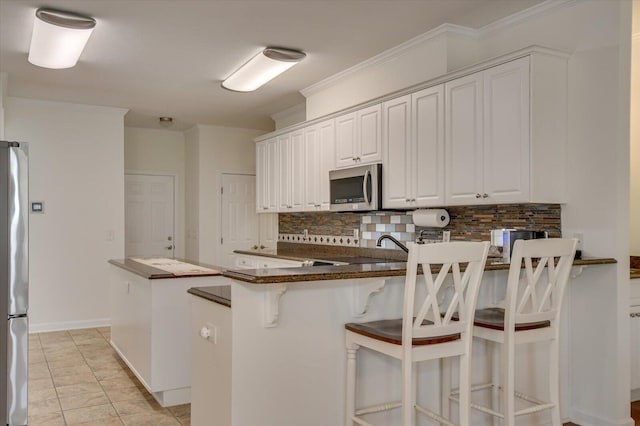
[
  {"x": 496, "y": 134},
  {"x": 267, "y": 175},
  {"x": 413, "y": 140},
  {"x": 358, "y": 137},
  {"x": 463, "y": 140},
  {"x": 319, "y": 141},
  {"x": 488, "y": 136},
  {"x": 291, "y": 171},
  {"x": 506, "y": 132}
]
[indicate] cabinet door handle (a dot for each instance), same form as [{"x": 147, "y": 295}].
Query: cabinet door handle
[
  {"x": 485, "y": 195},
  {"x": 478, "y": 195},
  {"x": 169, "y": 247}
]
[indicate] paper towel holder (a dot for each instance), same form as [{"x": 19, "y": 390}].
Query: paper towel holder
[{"x": 431, "y": 218}]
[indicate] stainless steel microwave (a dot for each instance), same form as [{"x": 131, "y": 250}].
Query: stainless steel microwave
[{"x": 356, "y": 188}]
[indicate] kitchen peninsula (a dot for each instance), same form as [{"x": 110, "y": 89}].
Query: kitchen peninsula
[
  {"x": 288, "y": 356},
  {"x": 150, "y": 314}
]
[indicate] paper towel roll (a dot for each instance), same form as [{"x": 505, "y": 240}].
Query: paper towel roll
[{"x": 432, "y": 218}]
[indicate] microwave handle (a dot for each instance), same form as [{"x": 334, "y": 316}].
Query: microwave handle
[{"x": 367, "y": 175}]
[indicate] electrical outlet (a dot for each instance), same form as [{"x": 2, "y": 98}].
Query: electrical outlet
[
  {"x": 580, "y": 237},
  {"x": 356, "y": 233},
  {"x": 306, "y": 233}
]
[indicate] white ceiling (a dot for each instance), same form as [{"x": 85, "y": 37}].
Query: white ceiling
[{"x": 167, "y": 57}]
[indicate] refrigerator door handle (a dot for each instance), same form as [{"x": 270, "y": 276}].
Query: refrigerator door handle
[
  {"x": 17, "y": 348},
  {"x": 18, "y": 231}
]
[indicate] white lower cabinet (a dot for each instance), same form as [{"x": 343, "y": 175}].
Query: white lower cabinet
[
  {"x": 149, "y": 323},
  {"x": 245, "y": 261},
  {"x": 211, "y": 363}
]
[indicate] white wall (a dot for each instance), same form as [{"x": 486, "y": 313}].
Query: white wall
[
  {"x": 597, "y": 34},
  {"x": 3, "y": 94},
  {"x": 76, "y": 166},
  {"x": 192, "y": 214},
  {"x": 215, "y": 150},
  {"x": 635, "y": 133},
  {"x": 418, "y": 60},
  {"x": 155, "y": 151}
]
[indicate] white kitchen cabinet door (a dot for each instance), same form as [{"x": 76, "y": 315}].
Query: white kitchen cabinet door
[
  {"x": 267, "y": 176},
  {"x": 427, "y": 121},
  {"x": 319, "y": 142},
  {"x": 326, "y": 147},
  {"x": 261, "y": 178},
  {"x": 297, "y": 171},
  {"x": 413, "y": 136},
  {"x": 506, "y": 132},
  {"x": 359, "y": 137},
  {"x": 463, "y": 140},
  {"x": 284, "y": 173},
  {"x": 397, "y": 173},
  {"x": 345, "y": 143},
  {"x": 369, "y": 135},
  {"x": 311, "y": 168}
]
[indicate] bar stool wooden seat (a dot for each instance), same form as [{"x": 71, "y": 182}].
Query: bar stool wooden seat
[
  {"x": 429, "y": 334},
  {"x": 530, "y": 313}
]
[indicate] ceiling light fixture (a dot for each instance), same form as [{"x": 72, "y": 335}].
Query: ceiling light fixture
[
  {"x": 58, "y": 38},
  {"x": 262, "y": 68},
  {"x": 166, "y": 121}
]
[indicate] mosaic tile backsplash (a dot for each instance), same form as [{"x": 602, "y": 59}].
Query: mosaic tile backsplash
[{"x": 472, "y": 223}]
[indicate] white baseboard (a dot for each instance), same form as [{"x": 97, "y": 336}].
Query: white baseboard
[
  {"x": 68, "y": 325},
  {"x": 584, "y": 419}
]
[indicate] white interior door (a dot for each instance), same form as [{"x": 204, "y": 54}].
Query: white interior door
[
  {"x": 149, "y": 215},
  {"x": 239, "y": 220}
]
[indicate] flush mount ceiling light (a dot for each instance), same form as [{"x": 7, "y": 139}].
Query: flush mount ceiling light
[
  {"x": 166, "y": 121},
  {"x": 262, "y": 68},
  {"x": 58, "y": 38}
]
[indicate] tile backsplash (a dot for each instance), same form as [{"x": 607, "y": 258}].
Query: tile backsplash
[{"x": 473, "y": 223}]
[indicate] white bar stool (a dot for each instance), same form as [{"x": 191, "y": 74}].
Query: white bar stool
[
  {"x": 432, "y": 333},
  {"x": 530, "y": 313}
]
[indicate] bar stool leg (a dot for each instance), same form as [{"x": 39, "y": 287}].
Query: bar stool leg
[
  {"x": 508, "y": 384},
  {"x": 465, "y": 390},
  {"x": 495, "y": 379},
  {"x": 350, "y": 409},
  {"x": 408, "y": 410},
  {"x": 554, "y": 382},
  {"x": 445, "y": 387}
]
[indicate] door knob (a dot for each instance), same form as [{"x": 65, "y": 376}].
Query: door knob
[{"x": 169, "y": 247}]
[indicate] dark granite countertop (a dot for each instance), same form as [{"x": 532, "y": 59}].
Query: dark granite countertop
[
  {"x": 218, "y": 294},
  {"x": 352, "y": 271},
  {"x": 152, "y": 273}
]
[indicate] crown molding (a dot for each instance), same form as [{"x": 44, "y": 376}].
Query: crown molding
[
  {"x": 524, "y": 15},
  {"x": 389, "y": 55}
]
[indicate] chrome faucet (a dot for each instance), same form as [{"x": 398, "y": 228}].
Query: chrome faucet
[{"x": 389, "y": 237}]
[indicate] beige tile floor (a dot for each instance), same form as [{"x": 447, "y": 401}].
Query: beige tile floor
[{"x": 76, "y": 378}]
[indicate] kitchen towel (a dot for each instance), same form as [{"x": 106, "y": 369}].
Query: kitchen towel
[{"x": 432, "y": 218}]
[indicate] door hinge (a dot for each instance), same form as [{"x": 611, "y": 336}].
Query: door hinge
[
  {"x": 221, "y": 240},
  {"x": 222, "y": 190}
]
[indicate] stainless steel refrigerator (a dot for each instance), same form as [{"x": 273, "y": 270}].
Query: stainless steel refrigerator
[{"x": 14, "y": 282}]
